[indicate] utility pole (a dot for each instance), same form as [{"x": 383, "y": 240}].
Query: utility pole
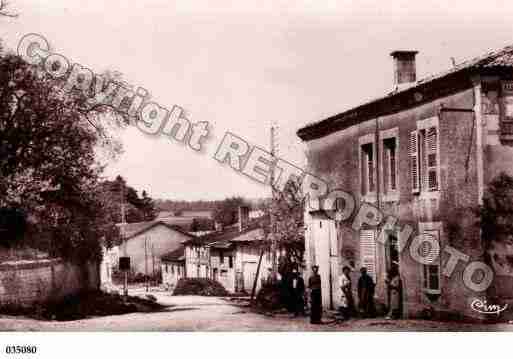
[
  {"x": 123, "y": 223},
  {"x": 146, "y": 260},
  {"x": 273, "y": 202},
  {"x": 152, "y": 264}
]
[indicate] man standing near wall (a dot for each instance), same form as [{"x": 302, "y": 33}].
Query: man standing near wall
[{"x": 314, "y": 284}]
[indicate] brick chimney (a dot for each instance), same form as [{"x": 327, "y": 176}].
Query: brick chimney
[
  {"x": 243, "y": 217},
  {"x": 404, "y": 67}
]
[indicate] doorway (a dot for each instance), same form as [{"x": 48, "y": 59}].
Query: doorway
[
  {"x": 326, "y": 257},
  {"x": 392, "y": 251}
]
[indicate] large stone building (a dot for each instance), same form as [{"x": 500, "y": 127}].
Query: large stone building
[
  {"x": 146, "y": 242},
  {"x": 424, "y": 154}
]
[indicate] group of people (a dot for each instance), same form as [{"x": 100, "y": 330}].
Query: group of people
[{"x": 366, "y": 307}]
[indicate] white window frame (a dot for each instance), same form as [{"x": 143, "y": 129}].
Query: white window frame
[
  {"x": 368, "y": 139},
  {"x": 423, "y": 126},
  {"x": 389, "y": 194},
  {"x": 426, "y": 227}
]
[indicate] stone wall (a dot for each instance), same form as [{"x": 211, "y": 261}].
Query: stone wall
[{"x": 26, "y": 283}]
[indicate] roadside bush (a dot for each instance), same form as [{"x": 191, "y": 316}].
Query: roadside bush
[
  {"x": 270, "y": 297},
  {"x": 118, "y": 277},
  {"x": 83, "y": 305},
  {"x": 200, "y": 286}
]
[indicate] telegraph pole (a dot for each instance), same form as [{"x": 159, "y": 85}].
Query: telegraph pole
[
  {"x": 123, "y": 223},
  {"x": 273, "y": 202}
]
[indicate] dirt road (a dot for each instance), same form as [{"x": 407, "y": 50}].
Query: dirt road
[{"x": 193, "y": 313}]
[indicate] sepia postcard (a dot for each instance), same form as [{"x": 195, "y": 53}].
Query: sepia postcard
[{"x": 276, "y": 166}]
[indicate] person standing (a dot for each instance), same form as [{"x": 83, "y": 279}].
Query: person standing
[
  {"x": 366, "y": 294},
  {"x": 298, "y": 293},
  {"x": 268, "y": 281},
  {"x": 346, "y": 295},
  {"x": 394, "y": 286},
  {"x": 314, "y": 285}
]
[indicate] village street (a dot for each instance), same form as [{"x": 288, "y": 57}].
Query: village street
[{"x": 195, "y": 313}]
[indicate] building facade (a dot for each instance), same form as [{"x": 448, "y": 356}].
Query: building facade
[
  {"x": 423, "y": 154},
  {"x": 230, "y": 257},
  {"x": 146, "y": 242},
  {"x": 173, "y": 268},
  {"x": 197, "y": 258}
]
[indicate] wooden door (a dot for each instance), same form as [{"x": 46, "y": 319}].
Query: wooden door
[{"x": 326, "y": 257}]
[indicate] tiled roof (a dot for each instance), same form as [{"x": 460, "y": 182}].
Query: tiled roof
[
  {"x": 177, "y": 255},
  {"x": 131, "y": 230},
  {"x": 229, "y": 234},
  {"x": 221, "y": 244},
  {"x": 495, "y": 59}
]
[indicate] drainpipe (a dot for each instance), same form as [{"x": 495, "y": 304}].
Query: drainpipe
[
  {"x": 378, "y": 183},
  {"x": 479, "y": 138},
  {"x": 378, "y": 165}
]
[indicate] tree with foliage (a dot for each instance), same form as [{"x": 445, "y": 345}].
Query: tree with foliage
[
  {"x": 147, "y": 207},
  {"x": 227, "y": 212},
  {"x": 496, "y": 212},
  {"x": 3, "y": 9},
  {"x": 48, "y": 139},
  {"x": 285, "y": 225},
  {"x": 137, "y": 209}
]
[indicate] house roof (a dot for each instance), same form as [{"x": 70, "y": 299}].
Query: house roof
[
  {"x": 178, "y": 255},
  {"x": 385, "y": 105},
  {"x": 134, "y": 229},
  {"x": 228, "y": 235},
  {"x": 221, "y": 245}
]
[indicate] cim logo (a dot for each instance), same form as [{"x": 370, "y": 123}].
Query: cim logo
[{"x": 482, "y": 306}]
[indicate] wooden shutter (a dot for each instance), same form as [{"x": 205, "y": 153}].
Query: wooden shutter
[
  {"x": 432, "y": 158},
  {"x": 432, "y": 256},
  {"x": 432, "y": 271},
  {"x": 368, "y": 251},
  {"x": 393, "y": 168},
  {"x": 370, "y": 168},
  {"x": 413, "y": 150}
]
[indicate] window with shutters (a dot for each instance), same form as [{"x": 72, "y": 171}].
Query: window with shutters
[
  {"x": 413, "y": 149},
  {"x": 423, "y": 150},
  {"x": 431, "y": 272},
  {"x": 367, "y": 168},
  {"x": 368, "y": 251},
  {"x": 431, "y": 158},
  {"x": 390, "y": 164}
]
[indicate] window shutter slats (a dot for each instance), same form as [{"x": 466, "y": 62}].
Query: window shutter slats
[
  {"x": 413, "y": 149},
  {"x": 431, "y": 278},
  {"x": 368, "y": 251},
  {"x": 432, "y": 158}
]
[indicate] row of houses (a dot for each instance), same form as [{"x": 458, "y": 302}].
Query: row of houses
[
  {"x": 230, "y": 256},
  {"x": 158, "y": 248},
  {"x": 424, "y": 154}
]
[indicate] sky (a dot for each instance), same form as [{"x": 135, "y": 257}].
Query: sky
[{"x": 243, "y": 66}]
